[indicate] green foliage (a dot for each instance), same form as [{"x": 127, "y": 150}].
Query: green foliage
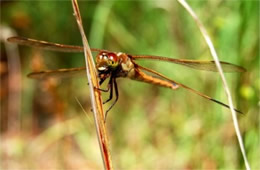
[{"x": 150, "y": 127}]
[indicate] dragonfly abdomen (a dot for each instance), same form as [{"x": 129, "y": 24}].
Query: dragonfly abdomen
[{"x": 141, "y": 76}]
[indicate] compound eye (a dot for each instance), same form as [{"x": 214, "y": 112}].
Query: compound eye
[
  {"x": 104, "y": 56},
  {"x": 112, "y": 57}
]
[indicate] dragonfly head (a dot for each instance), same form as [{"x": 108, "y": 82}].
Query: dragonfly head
[{"x": 106, "y": 62}]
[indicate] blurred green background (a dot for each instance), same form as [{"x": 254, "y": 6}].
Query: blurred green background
[{"x": 43, "y": 126}]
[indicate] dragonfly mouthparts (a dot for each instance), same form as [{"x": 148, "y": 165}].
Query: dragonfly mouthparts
[{"x": 102, "y": 68}]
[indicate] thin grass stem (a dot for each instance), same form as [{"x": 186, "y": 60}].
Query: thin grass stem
[{"x": 215, "y": 57}]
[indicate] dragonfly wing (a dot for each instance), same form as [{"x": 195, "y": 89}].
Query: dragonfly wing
[
  {"x": 199, "y": 65},
  {"x": 185, "y": 87},
  {"x": 48, "y": 45},
  {"x": 60, "y": 73}
]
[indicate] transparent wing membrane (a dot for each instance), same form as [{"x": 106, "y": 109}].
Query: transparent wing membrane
[
  {"x": 48, "y": 45},
  {"x": 60, "y": 73},
  {"x": 199, "y": 65}
]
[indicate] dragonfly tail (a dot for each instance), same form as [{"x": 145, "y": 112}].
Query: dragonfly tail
[{"x": 188, "y": 88}]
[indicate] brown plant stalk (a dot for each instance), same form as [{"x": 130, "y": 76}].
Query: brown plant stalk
[{"x": 96, "y": 101}]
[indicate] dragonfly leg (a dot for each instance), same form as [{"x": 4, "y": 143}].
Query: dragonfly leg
[
  {"x": 117, "y": 95},
  {"x": 110, "y": 87},
  {"x": 100, "y": 83},
  {"x": 103, "y": 90}
]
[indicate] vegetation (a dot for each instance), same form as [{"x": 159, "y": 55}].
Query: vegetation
[{"x": 150, "y": 127}]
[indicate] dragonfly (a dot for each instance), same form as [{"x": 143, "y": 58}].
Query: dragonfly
[{"x": 112, "y": 65}]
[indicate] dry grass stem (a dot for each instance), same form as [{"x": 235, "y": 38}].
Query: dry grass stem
[
  {"x": 215, "y": 57},
  {"x": 96, "y": 100}
]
